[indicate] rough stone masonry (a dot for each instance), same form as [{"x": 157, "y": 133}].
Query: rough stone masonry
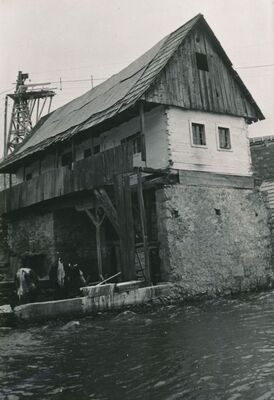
[{"x": 214, "y": 240}]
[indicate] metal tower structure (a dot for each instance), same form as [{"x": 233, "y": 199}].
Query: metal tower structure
[{"x": 29, "y": 103}]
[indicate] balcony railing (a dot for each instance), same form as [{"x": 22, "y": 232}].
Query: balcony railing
[{"x": 89, "y": 173}]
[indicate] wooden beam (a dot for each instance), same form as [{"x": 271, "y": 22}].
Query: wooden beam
[
  {"x": 143, "y": 130},
  {"x": 108, "y": 207},
  {"x": 143, "y": 226},
  {"x": 126, "y": 226}
]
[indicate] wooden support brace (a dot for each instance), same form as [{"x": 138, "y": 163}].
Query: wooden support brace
[{"x": 108, "y": 207}]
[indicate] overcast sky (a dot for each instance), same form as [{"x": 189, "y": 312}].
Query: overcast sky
[{"x": 74, "y": 39}]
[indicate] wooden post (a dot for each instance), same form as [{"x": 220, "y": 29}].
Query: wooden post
[
  {"x": 5, "y": 135},
  {"x": 97, "y": 221},
  {"x": 5, "y": 128},
  {"x": 143, "y": 226},
  {"x": 73, "y": 150},
  {"x": 143, "y": 131},
  {"x": 126, "y": 226}
]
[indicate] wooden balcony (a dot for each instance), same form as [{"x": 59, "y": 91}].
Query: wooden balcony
[{"x": 89, "y": 173}]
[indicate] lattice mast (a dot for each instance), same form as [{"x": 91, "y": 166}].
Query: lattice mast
[{"x": 29, "y": 104}]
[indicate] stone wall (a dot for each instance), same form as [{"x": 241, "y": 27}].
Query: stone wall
[
  {"x": 31, "y": 235},
  {"x": 213, "y": 240},
  {"x": 4, "y": 260},
  {"x": 262, "y": 154}
]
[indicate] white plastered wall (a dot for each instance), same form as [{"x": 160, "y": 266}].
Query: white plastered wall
[{"x": 210, "y": 158}]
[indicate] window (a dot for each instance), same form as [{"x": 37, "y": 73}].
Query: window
[
  {"x": 87, "y": 152},
  {"x": 201, "y": 60},
  {"x": 135, "y": 141},
  {"x": 66, "y": 159},
  {"x": 96, "y": 149},
  {"x": 224, "y": 138},
  {"x": 198, "y": 135},
  {"x": 28, "y": 176}
]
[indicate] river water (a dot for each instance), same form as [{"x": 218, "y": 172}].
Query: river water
[{"x": 219, "y": 349}]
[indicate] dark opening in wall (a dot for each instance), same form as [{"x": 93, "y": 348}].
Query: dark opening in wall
[
  {"x": 28, "y": 176},
  {"x": 66, "y": 159},
  {"x": 87, "y": 153},
  {"x": 96, "y": 149},
  {"x": 217, "y": 211},
  {"x": 201, "y": 60},
  {"x": 37, "y": 263}
]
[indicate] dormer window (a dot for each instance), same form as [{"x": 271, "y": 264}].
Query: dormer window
[{"x": 201, "y": 60}]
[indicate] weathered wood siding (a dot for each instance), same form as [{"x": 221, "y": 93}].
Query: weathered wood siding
[
  {"x": 155, "y": 142},
  {"x": 182, "y": 84},
  {"x": 209, "y": 158},
  {"x": 86, "y": 174}
]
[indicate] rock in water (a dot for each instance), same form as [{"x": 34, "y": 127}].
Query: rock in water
[
  {"x": 126, "y": 316},
  {"x": 6, "y": 315},
  {"x": 70, "y": 325}
]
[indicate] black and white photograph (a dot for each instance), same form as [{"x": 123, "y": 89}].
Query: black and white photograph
[{"x": 137, "y": 200}]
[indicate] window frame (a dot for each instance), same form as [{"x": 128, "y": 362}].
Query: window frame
[
  {"x": 201, "y": 146},
  {"x": 219, "y": 148}
]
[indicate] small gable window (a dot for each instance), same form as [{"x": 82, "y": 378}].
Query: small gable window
[
  {"x": 201, "y": 60},
  {"x": 224, "y": 138},
  {"x": 198, "y": 134}
]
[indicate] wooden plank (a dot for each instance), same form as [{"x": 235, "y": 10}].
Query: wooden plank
[{"x": 196, "y": 178}]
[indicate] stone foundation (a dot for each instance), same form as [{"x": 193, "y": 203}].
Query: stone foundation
[
  {"x": 213, "y": 239},
  {"x": 30, "y": 236}
]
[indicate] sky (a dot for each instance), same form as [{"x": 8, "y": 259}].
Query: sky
[{"x": 76, "y": 39}]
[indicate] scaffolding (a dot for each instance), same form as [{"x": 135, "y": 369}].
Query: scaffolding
[{"x": 30, "y": 102}]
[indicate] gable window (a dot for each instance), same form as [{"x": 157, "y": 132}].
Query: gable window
[
  {"x": 66, "y": 159},
  {"x": 201, "y": 60},
  {"x": 87, "y": 152},
  {"x": 198, "y": 134},
  {"x": 224, "y": 138}
]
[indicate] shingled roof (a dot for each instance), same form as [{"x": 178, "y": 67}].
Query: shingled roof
[{"x": 115, "y": 95}]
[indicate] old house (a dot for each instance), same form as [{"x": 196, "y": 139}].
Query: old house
[{"x": 148, "y": 173}]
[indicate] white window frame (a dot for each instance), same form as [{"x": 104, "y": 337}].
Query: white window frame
[
  {"x": 218, "y": 139},
  {"x": 200, "y": 146}
]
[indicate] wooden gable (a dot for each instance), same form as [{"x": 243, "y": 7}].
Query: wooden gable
[{"x": 219, "y": 90}]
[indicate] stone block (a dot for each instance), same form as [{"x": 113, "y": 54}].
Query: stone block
[{"x": 98, "y": 290}]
